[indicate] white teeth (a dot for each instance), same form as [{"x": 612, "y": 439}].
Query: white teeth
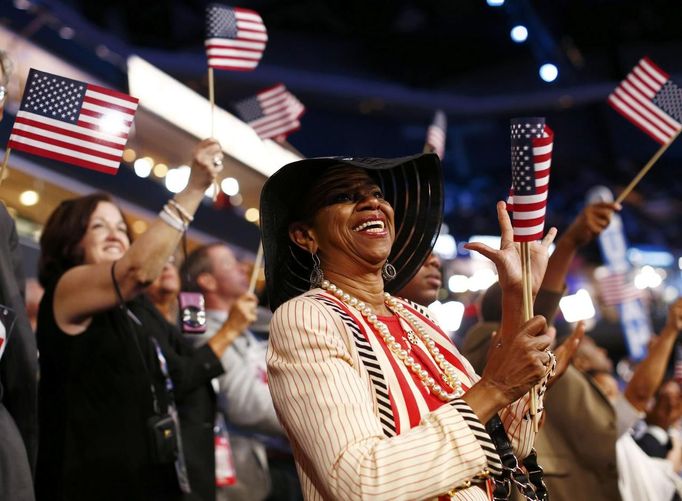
[{"x": 373, "y": 226}]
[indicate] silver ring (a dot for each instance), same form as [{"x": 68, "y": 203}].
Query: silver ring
[
  {"x": 551, "y": 362},
  {"x": 217, "y": 161}
]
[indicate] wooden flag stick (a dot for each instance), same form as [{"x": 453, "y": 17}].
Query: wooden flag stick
[
  {"x": 645, "y": 169},
  {"x": 256, "y": 268},
  {"x": 527, "y": 315},
  {"x": 428, "y": 148},
  {"x": 4, "y": 164},
  {"x": 211, "y": 98}
]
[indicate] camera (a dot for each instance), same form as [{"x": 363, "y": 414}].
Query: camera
[
  {"x": 163, "y": 442},
  {"x": 192, "y": 312}
]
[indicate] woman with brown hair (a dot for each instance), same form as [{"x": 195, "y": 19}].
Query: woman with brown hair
[
  {"x": 111, "y": 369},
  {"x": 376, "y": 400}
]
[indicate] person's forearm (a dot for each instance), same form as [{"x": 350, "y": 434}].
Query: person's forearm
[
  {"x": 146, "y": 257},
  {"x": 558, "y": 265},
  {"x": 649, "y": 373},
  {"x": 485, "y": 399},
  {"x": 223, "y": 339}
]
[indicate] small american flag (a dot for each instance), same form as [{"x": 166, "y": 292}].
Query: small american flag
[
  {"x": 73, "y": 122},
  {"x": 677, "y": 366},
  {"x": 273, "y": 112},
  {"x": 531, "y": 155},
  {"x": 436, "y": 133},
  {"x": 615, "y": 288},
  {"x": 235, "y": 38},
  {"x": 650, "y": 100}
]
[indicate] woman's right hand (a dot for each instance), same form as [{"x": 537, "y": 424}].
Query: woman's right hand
[
  {"x": 207, "y": 162},
  {"x": 516, "y": 363}
]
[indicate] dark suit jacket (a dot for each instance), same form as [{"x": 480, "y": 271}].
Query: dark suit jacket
[
  {"x": 577, "y": 442},
  {"x": 18, "y": 375},
  {"x": 650, "y": 444}
]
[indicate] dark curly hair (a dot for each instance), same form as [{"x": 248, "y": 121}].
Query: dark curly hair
[{"x": 59, "y": 242}]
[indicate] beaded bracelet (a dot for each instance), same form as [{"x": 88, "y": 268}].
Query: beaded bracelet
[
  {"x": 184, "y": 213},
  {"x": 172, "y": 220}
]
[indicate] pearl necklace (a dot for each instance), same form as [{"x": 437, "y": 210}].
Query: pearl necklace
[{"x": 449, "y": 374}]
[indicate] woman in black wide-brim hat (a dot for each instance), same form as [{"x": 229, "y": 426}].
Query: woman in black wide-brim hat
[{"x": 376, "y": 400}]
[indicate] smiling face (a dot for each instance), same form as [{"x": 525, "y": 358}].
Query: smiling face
[
  {"x": 106, "y": 237},
  {"x": 352, "y": 227}
]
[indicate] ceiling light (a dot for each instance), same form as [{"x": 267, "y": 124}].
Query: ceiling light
[
  {"x": 177, "y": 179},
  {"x": 549, "y": 72},
  {"x": 160, "y": 170},
  {"x": 577, "y": 307},
  {"x": 449, "y": 315},
  {"x": 139, "y": 227},
  {"x": 252, "y": 215},
  {"x": 495, "y": 3},
  {"x": 482, "y": 279},
  {"x": 230, "y": 186},
  {"x": 129, "y": 155},
  {"x": 445, "y": 247},
  {"x": 155, "y": 89},
  {"x": 458, "y": 283},
  {"x": 22, "y": 4},
  {"x": 29, "y": 198},
  {"x": 519, "y": 33},
  {"x": 143, "y": 166},
  {"x": 66, "y": 32}
]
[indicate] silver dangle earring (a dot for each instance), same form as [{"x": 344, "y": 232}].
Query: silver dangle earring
[
  {"x": 316, "y": 274},
  {"x": 388, "y": 271}
]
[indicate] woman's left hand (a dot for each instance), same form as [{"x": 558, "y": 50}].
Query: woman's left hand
[
  {"x": 507, "y": 258},
  {"x": 207, "y": 162}
]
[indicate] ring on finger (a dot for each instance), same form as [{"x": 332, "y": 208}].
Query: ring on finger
[
  {"x": 218, "y": 161},
  {"x": 551, "y": 361}
]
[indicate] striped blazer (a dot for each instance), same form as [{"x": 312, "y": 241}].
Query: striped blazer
[{"x": 360, "y": 426}]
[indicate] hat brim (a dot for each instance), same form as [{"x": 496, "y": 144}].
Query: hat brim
[{"x": 412, "y": 185}]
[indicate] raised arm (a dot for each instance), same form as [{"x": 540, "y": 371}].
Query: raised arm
[
  {"x": 591, "y": 221},
  {"x": 649, "y": 373},
  {"x": 87, "y": 289}
]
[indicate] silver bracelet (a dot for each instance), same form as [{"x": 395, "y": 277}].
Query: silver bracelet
[
  {"x": 171, "y": 220},
  {"x": 184, "y": 212}
]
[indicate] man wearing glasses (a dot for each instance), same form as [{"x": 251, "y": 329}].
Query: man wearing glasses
[{"x": 18, "y": 353}]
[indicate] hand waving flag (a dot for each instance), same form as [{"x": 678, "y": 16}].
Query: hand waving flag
[
  {"x": 73, "y": 122},
  {"x": 531, "y": 155}
]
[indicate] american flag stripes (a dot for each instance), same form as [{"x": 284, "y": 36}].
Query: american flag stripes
[
  {"x": 615, "y": 288},
  {"x": 531, "y": 154},
  {"x": 273, "y": 112},
  {"x": 650, "y": 100},
  {"x": 73, "y": 122},
  {"x": 436, "y": 133},
  {"x": 235, "y": 38}
]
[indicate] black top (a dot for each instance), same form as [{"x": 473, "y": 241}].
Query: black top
[{"x": 95, "y": 400}]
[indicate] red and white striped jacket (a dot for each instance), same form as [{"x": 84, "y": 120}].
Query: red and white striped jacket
[{"x": 360, "y": 425}]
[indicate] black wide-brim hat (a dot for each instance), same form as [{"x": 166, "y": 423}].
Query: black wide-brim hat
[{"x": 412, "y": 185}]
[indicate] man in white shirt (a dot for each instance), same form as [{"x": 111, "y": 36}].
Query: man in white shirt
[{"x": 243, "y": 394}]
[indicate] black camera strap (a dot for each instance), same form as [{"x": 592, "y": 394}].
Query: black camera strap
[
  {"x": 131, "y": 320},
  {"x": 529, "y": 483}
]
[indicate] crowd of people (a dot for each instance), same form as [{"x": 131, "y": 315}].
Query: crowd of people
[{"x": 352, "y": 392}]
